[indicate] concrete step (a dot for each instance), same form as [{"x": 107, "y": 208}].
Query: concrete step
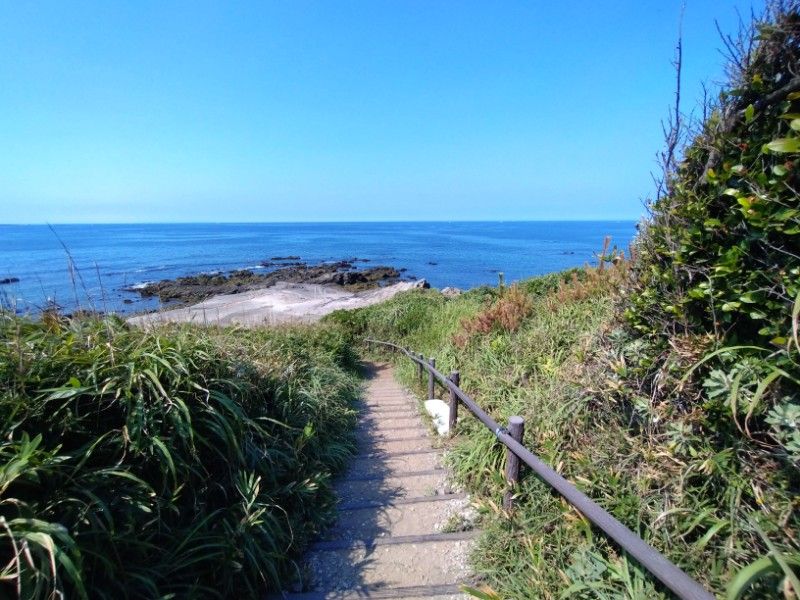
[
  {"x": 389, "y": 414},
  {"x": 396, "y": 520},
  {"x": 390, "y": 489},
  {"x": 415, "y": 426},
  {"x": 361, "y": 504},
  {"x": 379, "y": 409},
  {"x": 391, "y": 562},
  {"x": 388, "y": 392},
  {"x": 395, "y": 444},
  {"x": 376, "y": 436},
  {"x": 417, "y": 592},
  {"x": 394, "y": 466},
  {"x": 383, "y": 395},
  {"x": 371, "y": 423}
]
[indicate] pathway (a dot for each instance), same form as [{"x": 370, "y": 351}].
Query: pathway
[{"x": 395, "y": 503}]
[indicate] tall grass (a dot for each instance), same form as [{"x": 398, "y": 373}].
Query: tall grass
[
  {"x": 685, "y": 490},
  {"x": 177, "y": 462}
]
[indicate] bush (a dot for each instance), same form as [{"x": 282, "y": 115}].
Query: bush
[
  {"x": 721, "y": 252},
  {"x": 717, "y": 270},
  {"x": 181, "y": 461},
  {"x": 709, "y": 362}
]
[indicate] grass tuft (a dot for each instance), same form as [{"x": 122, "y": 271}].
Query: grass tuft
[{"x": 178, "y": 461}]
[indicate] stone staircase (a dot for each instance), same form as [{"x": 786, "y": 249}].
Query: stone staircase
[{"x": 395, "y": 503}]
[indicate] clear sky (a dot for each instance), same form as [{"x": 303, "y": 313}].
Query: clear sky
[{"x": 313, "y": 111}]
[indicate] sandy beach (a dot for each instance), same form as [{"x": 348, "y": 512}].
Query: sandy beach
[{"x": 280, "y": 303}]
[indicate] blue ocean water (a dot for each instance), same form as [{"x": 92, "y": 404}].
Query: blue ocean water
[{"x": 111, "y": 257}]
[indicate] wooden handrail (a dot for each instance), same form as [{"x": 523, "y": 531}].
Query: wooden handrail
[{"x": 660, "y": 566}]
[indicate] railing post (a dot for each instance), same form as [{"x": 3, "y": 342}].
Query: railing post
[
  {"x": 455, "y": 377},
  {"x": 420, "y": 369},
  {"x": 516, "y": 429},
  {"x": 432, "y": 363}
]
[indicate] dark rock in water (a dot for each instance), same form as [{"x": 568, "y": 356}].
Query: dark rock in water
[
  {"x": 8, "y": 280},
  {"x": 285, "y": 258},
  {"x": 432, "y": 263},
  {"x": 127, "y": 301},
  {"x": 280, "y": 263},
  {"x": 194, "y": 288},
  {"x": 351, "y": 278}
]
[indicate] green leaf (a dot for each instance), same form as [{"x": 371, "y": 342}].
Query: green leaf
[
  {"x": 749, "y": 575},
  {"x": 749, "y": 112},
  {"x": 714, "y": 530},
  {"x": 785, "y": 214},
  {"x": 796, "y": 322},
  {"x": 793, "y": 96},
  {"x": 167, "y": 455},
  {"x": 784, "y": 145},
  {"x": 779, "y": 170},
  {"x": 784, "y": 562},
  {"x": 731, "y": 192},
  {"x": 490, "y": 595},
  {"x": 790, "y": 116},
  {"x": 795, "y": 124}
]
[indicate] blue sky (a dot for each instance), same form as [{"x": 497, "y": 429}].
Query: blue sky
[{"x": 315, "y": 111}]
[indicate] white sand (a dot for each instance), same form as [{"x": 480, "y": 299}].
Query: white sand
[{"x": 281, "y": 303}]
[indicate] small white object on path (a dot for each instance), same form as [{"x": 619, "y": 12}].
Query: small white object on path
[{"x": 440, "y": 415}]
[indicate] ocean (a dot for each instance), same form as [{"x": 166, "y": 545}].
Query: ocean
[{"x": 108, "y": 258}]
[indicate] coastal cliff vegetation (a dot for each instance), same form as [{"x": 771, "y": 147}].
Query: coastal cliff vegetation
[
  {"x": 664, "y": 386},
  {"x": 174, "y": 462},
  {"x": 185, "y": 461}
]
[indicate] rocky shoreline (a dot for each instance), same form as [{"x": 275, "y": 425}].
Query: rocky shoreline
[{"x": 191, "y": 289}]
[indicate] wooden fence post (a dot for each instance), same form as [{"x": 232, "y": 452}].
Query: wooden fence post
[
  {"x": 455, "y": 377},
  {"x": 420, "y": 369},
  {"x": 516, "y": 429},
  {"x": 432, "y": 363}
]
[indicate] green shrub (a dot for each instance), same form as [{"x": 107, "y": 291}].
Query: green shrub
[
  {"x": 721, "y": 252},
  {"x": 179, "y": 462},
  {"x": 713, "y": 501},
  {"x": 719, "y": 258},
  {"x": 710, "y": 363}
]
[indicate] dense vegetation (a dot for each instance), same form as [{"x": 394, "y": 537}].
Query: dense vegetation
[
  {"x": 718, "y": 265},
  {"x": 187, "y": 462},
  {"x": 558, "y": 363},
  {"x": 665, "y": 387},
  {"x": 180, "y": 462}
]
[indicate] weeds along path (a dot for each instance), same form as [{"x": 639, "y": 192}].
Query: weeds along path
[{"x": 398, "y": 533}]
